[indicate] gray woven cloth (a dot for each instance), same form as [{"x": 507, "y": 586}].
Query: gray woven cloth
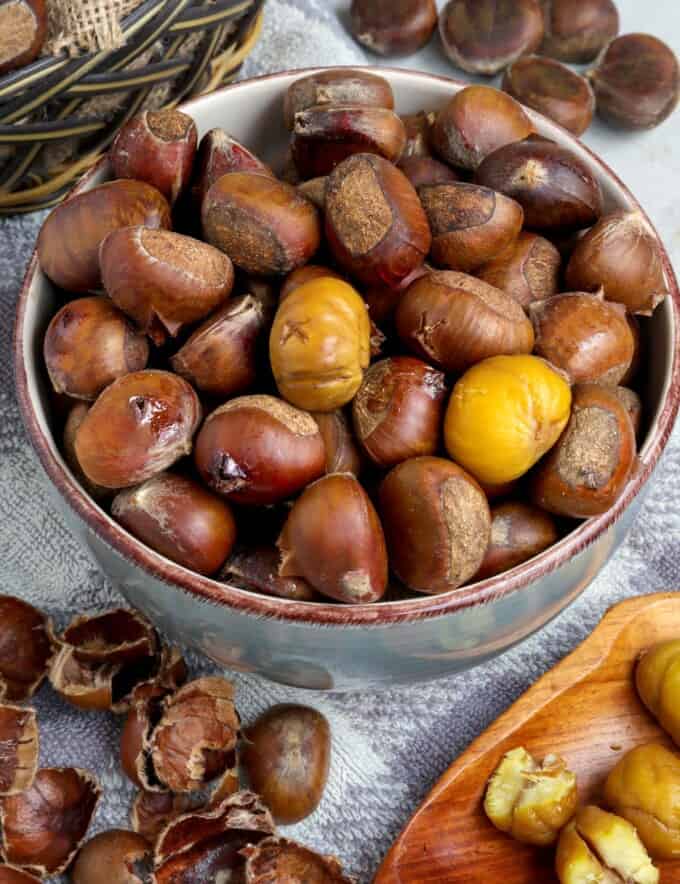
[{"x": 389, "y": 747}]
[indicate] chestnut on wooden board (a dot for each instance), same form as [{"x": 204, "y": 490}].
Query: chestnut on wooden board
[
  {"x": 393, "y": 27},
  {"x": 342, "y": 86},
  {"x": 23, "y": 26}
]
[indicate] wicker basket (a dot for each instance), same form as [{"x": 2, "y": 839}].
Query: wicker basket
[{"x": 58, "y": 114}]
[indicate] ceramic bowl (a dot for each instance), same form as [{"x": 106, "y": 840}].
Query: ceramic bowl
[{"x": 332, "y": 646}]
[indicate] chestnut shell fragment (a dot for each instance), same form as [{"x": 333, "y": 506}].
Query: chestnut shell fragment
[
  {"x": 278, "y": 860},
  {"x": 19, "y": 746},
  {"x": 12, "y": 875},
  {"x": 111, "y": 637},
  {"x": 257, "y": 569},
  {"x": 152, "y": 811},
  {"x": 116, "y": 856},
  {"x": 26, "y": 648}
]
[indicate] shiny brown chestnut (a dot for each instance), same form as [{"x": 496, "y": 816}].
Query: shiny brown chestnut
[
  {"x": 485, "y": 36},
  {"x": 375, "y": 224},
  {"x": 259, "y": 450},
  {"x": 553, "y": 89},
  {"x": 257, "y": 569},
  {"x": 342, "y": 453},
  {"x": 382, "y": 300},
  {"x": 621, "y": 255},
  {"x": 278, "y": 859},
  {"x": 399, "y": 409},
  {"x": 556, "y": 189},
  {"x": 26, "y": 649},
  {"x": 218, "y": 154},
  {"x": 576, "y": 32},
  {"x": 113, "y": 857},
  {"x": 314, "y": 190},
  {"x": 528, "y": 270},
  {"x": 589, "y": 467},
  {"x": 89, "y": 344},
  {"x": 158, "y": 147},
  {"x": 264, "y": 225},
  {"x": 585, "y": 336},
  {"x": 632, "y": 402},
  {"x": 437, "y": 523},
  {"x": 475, "y": 122},
  {"x": 453, "y": 321},
  {"x": 422, "y": 171},
  {"x": 519, "y": 531},
  {"x": 470, "y": 224},
  {"x": 180, "y": 519},
  {"x": 19, "y": 746},
  {"x": 152, "y": 811},
  {"x": 334, "y": 540},
  {"x": 393, "y": 27},
  {"x": 23, "y": 27},
  {"x": 324, "y": 136},
  {"x": 331, "y": 87},
  {"x": 43, "y": 827},
  {"x": 418, "y": 127},
  {"x": 139, "y": 426},
  {"x": 68, "y": 242},
  {"x": 287, "y": 757}
]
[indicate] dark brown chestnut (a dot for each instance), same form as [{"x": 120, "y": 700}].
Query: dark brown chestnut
[
  {"x": 528, "y": 270},
  {"x": 218, "y": 154},
  {"x": 399, "y": 409},
  {"x": 576, "y": 30},
  {"x": 418, "y": 127},
  {"x": 19, "y": 746},
  {"x": 331, "y": 87},
  {"x": 152, "y": 811},
  {"x": 393, "y": 27},
  {"x": 314, "y": 190},
  {"x": 636, "y": 82},
  {"x": 116, "y": 856},
  {"x": 553, "y": 89},
  {"x": 257, "y": 569},
  {"x": 333, "y": 539},
  {"x": 139, "y": 426},
  {"x": 519, "y": 531},
  {"x": 426, "y": 170},
  {"x": 632, "y": 402},
  {"x": 26, "y": 649},
  {"x": 88, "y": 345},
  {"x": 555, "y": 188},
  {"x": 375, "y": 224},
  {"x": 180, "y": 519},
  {"x": 277, "y": 859},
  {"x": 437, "y": 523},
  {"x": 23, "y": 27},
  {"x": 342, "y": 453},
  {"x": 485, "y": 36},
  {"x": 382, "y": 300},
  {"x": 287, "y": 757},
  {"x": 259, "y": 450}
]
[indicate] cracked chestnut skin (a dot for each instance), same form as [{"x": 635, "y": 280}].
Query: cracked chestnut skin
[
  {"x": 336, "y": 87},
  {"x": 19, "y": 746},
  {"x": 277, "y": 860}
]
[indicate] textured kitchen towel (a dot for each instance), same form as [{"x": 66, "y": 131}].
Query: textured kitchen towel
[{"x": 388, "y": 747}]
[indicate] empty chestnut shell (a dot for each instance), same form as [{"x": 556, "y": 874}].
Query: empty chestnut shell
[
  {"x": 88, "y": 345},
  {"x": 577, "y": 31},
  {"x": 334, "y": 540},
  {"x": 115, "y": 636},
  {"x": 152, "y": 811},
  {"x": 26, "y": 649},
  {"x": 485, "y": 36},
  {"x": 342, "y": 453},
  {"x": 139, "y": 426},
  {"x": 218, "y": 154},
  {"x": 342, "y": 86},
  {"x": 393, "y": 27},
  {"x": 528, "y": 270},
  {"x": 44, "y": 826},
  {"x": 519, "y": 531},
  {"x": 636, "y": 82},
  {"x": 554, "y": 187},
  {"x": 552, "y": 89},
  {"x": 437, "y": 523},
  {"x": 277, "y": 859},
  {"x": 259, "y": 450},
  {"x": 426, "y": 170},
  {"x": 19, "y": 745},
  {"x": 287, "y": 758},
  {"x": 118, "y": 856},
  {"x": 257, "y": 569},
  {"x": 474, "y": 123},
  {"x": 23, "y": 26}
]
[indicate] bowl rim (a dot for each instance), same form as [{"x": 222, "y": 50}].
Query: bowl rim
[{"x": 320, "y": 613}]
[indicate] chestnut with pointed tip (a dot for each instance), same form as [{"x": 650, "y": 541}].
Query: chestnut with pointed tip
[
  {"x": 334, "y": 540},
  {"x": 577, "y": 31},
  {"x": 218, "y": 154},
  {"x": 19, "y": 746},
  {"x": 332, "y": 87},
  {"x": 257, "y": 569},
  {"x": 113, "y": 857},
  {"x": 422, "y": 171},
  {"x": 528, "y": 270},
  {"x": 278, "y": 859},
  {"x": 393, "y": 27},
  {"x": 23, "y": 27},
  {"x": 519, "y": 531},
  {"x": 342, "y": 453},
  {"x": 26, "y": 649}
]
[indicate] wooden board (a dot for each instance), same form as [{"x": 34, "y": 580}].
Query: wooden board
[{"x": 585, "y": 709}]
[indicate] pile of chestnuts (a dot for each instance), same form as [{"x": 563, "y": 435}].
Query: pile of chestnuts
[
  {"x": 634, "y": 83},
  {"x": 403, "y": 369},
  {"x": 182, "y": 746}
]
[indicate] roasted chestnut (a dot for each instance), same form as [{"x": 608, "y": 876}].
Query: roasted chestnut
[
  {"x": 26, "y": 649},
  {"x": 393, "y": 27},
  {"x": 519, "y": 531},
  {"x": 257, "y": 569},
  {"x": 577, "y": 31},
  {"x": 219, "y": 153},
  {"x": 23, "y": 27},
  {"x": 12, "y": 875},
  {"x": 303, "y": 275},
  {"x": 417, "y": 128},
  {"x": 528, "y": 270},
  {"x": 277, "y": 859},
  {"x": 152, "y": 811},
  {"x": 438, "y": 544},
  {"x": 18, "y": 749},
  {"x": 333, "y": 539},
  {"x": 342, "y": 453},
  {"x": 342, "y": 86},
  {"x": 116, "y": 856},
  {"x": 382, "y": 300},
  {"x": 315, "y": 191},
  {"x": 139, "y": 426},
  {"x": 422, "y": 171}
]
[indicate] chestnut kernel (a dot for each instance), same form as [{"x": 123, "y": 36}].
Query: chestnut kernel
[
  {"x": 218, "y": 154},
  {"x": 287, "y": 758},
  {"x": 519, "y": 531},
  {"x": 334, "y": 540},
  {"x": 88, "y": 345},
  {"x": 264, "y": 225},
  {"x": 485, "y": 36},
  {"x": 528, "y": 270},
  {"x": 277, "y": 859},
  {"x": 18, "y": 749},
  {"x": 422, "y": 171},
  {"x": 26, "y": 649},
  {"x": 332, "y": 87},
  {"x": 257, "y": 569},
  {"x": 114, "y": 857},
  {"x": 475, "y": 122},
  {"x": 152, "y": 811},
  {"x": 589, "y": 467},
  {"x": 139, "y": 426},
  {"x": 342, "y": 453},
  {"x": 438, "y": 544},
  {"x": 393, "y": 27},
  {"x": 68, "y": 242},
  {"x": 576, "y": 30},
  {"x": 23, "y": 26},
  {"x": 418, "y": 127},
  {"x": 259, "y": 450},
  {"x": 398, "y": 410}
]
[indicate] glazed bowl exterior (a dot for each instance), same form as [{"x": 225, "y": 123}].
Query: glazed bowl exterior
[{"x": 331, "y": 646}]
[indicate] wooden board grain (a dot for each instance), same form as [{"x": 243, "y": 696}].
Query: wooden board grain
[{"x": 585, "y": 709}]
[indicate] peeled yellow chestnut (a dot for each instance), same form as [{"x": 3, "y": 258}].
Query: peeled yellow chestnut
[
  {"x": 437, "y": 523},
  {"x": 88, "y": 344},
  {"x": 621, "y": 255},
  {"x": 219, "y": 153},
  {"x": 393, "y": 27},
  {"x": 519, "y": 531},
  {"x": 485, "y": 36},
  {"x": 23, "y": 27},
  {"x": 474, "y": 123},
  {"x": 342, "y": 453},
  {"x": 19, "y": 746},
  {"x": 454, "y": 321},
  {"x": 334, "y": 540},
  {"x": 257, "y": 569},
  {"x": 657, "y": 678},
  {"x": 139, "y": 426},
  {"x": 319, "y": 344},
  {"x": 589, "y": 467},
  {"x": 152, "y": 811},
  {"x": 375, "y": 223},
  {"x": 277, "y": 859},
  {"x": 470, "y": 224},
  {"x": 68, "y": 243},
  {"x": 417, "y": 128},
  {"x": 26, "y": 649},
  {"x": 341, "y": 86},
  {"x": 398, "y": 410},
  {"x": 259, "y": 450},
  {"x": 577, "y": 31},
  {"x": 118, "y": 855},
  {"x": 585, "y": 336},
  {"x": 528, "y": 269}
]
